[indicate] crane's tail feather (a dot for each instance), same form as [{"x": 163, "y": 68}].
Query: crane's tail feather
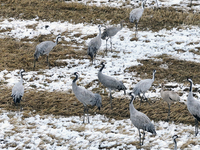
[{"x": 97, "y": 101}]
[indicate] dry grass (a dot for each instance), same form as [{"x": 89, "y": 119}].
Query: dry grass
[
  {"x": 153, "y": 19},
  {"x": 59, "y": 103},
  {"x": 178, "y": 70}
]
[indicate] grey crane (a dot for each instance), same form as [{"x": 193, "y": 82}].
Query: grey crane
[
  {"x": 136, "y": 14},
  {"x": 140, "y": 120},
  {"x": 174, "y": 137},
  {"x": 110, "y": 32},
  {"x": 143, "y": 86},
  {"x": 86, "y": 97},
  {"x": 94, "y": 45},
  {"x": 169, "y": 97},
  {"x": 193, "y": 106},
  {"x": 110, "y": 82},
  {"x": 44, "y": 48},
  {"x": 18, "y": 90}
]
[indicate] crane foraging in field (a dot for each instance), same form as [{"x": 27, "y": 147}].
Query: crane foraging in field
[
  {"x": 136, "y": 14},
  {"x": 94, "y": 45},
  {"x": 193, "y": 106},
  {"x": 140, "y": 120},
  {"x": 110, "y": 32},
  {"x": 110, "y": 82},
  {"x": 174, "y": 137},
  {"x": 44, "y": 48},
  {"x": 143, "y": 86},
  {"x": 18, "y": 90},
  {"x": 86, "y": 97},
  {"x": 169, "y": 97}
]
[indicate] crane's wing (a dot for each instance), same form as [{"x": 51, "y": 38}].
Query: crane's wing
[
  {"x": 194, "y": 109},
  {"x": 18, "y": 90},
  {"x": 173, "y": 96},
  {"x": 45, "y": 47}
]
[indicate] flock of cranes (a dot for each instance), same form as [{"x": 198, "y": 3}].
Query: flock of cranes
[{"x": 138, "y": 119}]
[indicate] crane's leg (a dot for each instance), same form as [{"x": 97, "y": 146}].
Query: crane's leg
[
  {"x": 48, "y": 61},
  {"x": 84, "y": 114},
  {"x": 136, "y": 24},
  {"x": 106, "y": 45},
  {"x": 111, "y": 43},
  {"x": 143, "y": 137},
  {"x": 140, "y": 99},
  {"x": 157, "y": 2},
  {"x": 34, "y": 64},
  {"x": 110, "y": 98},
  {"x": 140, "y": 137},
  {"x": 168, "y": 117},
  {"x": 88, "y": 114},
  {"x": 146, "y": 98},
  {"x": 196, "y": 127}
]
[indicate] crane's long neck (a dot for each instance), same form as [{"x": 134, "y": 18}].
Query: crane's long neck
[
  {"x": 102, "y": 67},
  {"x": 57, "y": 40},
  {"x": 175, "y": 144},
  {"x": 153, "y": 76},
  {"x": 99, "y": 31},
  {"x": 75, "y": 78},
  {"x": 131, "y": 107},
  {"x": 21, "y": 79},
  {"x": 190, "y": 87}
]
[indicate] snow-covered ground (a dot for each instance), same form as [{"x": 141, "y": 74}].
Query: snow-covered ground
[
  {"x": 61, "y": 133},
  {"x": 57, "y": 132}
]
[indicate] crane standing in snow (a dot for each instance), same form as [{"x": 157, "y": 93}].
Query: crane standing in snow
[
  {"x": 169, "y": 97},
  {"x": 143, "y": 86},
  {"x": 110, "y": 32},
  {"x": 94, "y": 45},
  {"x": 110, "y": 83},
  {"x": 136, "y": 14},
  {"x": 86, "y": 97},
  {"x": 193, "y": 107},
  {"x": 44, "y": 48},
  {"x": 18, "y": 90},
  {"x": 140, "y": 120}
]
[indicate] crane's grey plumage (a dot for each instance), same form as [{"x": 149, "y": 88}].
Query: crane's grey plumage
[
  {"x": 140, "y": 120},
  {"x": 44, "y": 48},
  {"x": 169, "y": 97},
  {"x": 110, "y": 32},
  {"x": 18, "y": 89},
  {"x": 110, "y": 82},
  {"x": 136, "y": 14},
  {"x": 174, "y": 137},
  {"x": 143, "y": 86},
  {"x": 193, "y": 106},
  {"x": 94, "y": 45},
  {"x": 86, "y": 97}
]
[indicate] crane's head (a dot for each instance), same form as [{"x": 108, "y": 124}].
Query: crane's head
[
  {"x": 21, "y": 71},
  {"x": 174, "y": 137},
  {"x": 154, "y": 71},
  {"x": 190, "y": 80},
  {"x": 76, "y": 73},
  {"x": 99, "y": 26},
  {"x": 102, "y": 63}
]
